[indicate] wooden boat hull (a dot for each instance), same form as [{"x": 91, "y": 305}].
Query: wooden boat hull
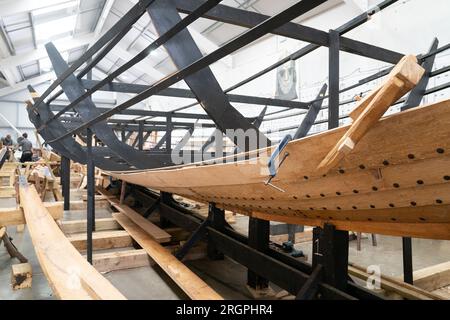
[{"x": 396, "y": 181}]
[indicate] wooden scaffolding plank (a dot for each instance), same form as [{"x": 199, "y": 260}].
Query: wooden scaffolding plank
[
  {"x": 16, "y": 217},
  {"x": 70, "y": 276},
  {"x": 188, "y": 281},
  {"x": 102, "y": 240},
  {"x": 154, "y": 231},
  {"x": 434, "y": 277}
]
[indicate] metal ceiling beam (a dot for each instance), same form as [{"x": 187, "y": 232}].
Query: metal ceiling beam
[{"x": 147, "y": 113}]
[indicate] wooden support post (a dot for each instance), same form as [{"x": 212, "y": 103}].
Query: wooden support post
[
  {"x": 21, "y": 276},
  {"x": 123, "y": 190}
]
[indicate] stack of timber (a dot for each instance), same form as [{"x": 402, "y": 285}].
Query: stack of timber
[
  {"x": 70, "y": 276},
  {"x": 435, "y": 279},
  {"x": 388, "y": 176},
  {"x": 393, "y": 286}
]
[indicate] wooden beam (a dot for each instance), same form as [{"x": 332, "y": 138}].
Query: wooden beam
[
  {"x": 69, "y": 275},
  {"x": 16, "y": 217},
  {"x": 400, "y": 81},
  {"x": 158, "y": 234},
  {"x": 102, "y": 240},
  {"x": 7, "y": 192},
  {"x": 434, "y": 277},
  {"x": 82, "y": 205},
  {"x": 79, "y": 226},
  {"x": 188, "y": 281},
  {"x": 97, "y": 197},
  {"x": 114, "y": 261},
  {"x": 154, "y": 231}
]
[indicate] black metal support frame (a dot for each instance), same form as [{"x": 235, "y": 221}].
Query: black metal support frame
[
  {"x": 327, "y": 277},
  {"x": 268, "y": 263},
  {"x": 90, "y": 195},
  {"x": 65, "y": 181}
]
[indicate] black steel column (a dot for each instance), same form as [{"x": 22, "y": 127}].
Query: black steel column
[
  {"x": 216, "y": 217},
  {"x": 407, "y": 261},
  {"x": 169, "y": 134},
  {"x": 90, "y": 195},
  {"x": 65, "y": 181},
  {"x": 141, "y": 136},
  {"x": 333, "y": 105},
  {"x": 330, "y": 249},
  {"x": 258, "y": 238},
  {"x": 167, "y": 199}
]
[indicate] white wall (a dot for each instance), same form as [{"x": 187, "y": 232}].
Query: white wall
[{"x": 408, "y": 27}]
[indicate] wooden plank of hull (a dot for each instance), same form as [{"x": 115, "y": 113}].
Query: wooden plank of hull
[
  {"x": 189, "y": 282},
  {"x": 389, "y": 143},
  {"x": 424, "y": 204},
  {"x": 438, "y": 231},
  {"x": 406, "y": 173},
  {"x": 70, "y": 276},
  {"x": 392, "y": 178}
]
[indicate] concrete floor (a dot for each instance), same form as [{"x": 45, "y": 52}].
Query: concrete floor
[{"x": 227, "y": 277}]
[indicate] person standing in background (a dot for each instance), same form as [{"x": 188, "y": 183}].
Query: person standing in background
[
  {"x": 8, "y": 143},
  {"x": 27, "y": 149}
]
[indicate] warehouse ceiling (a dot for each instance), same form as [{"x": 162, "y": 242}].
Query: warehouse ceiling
[{"x": 26, "y": 25}]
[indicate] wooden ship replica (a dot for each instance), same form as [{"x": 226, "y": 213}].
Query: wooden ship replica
[{"x": 384, "y": 175}]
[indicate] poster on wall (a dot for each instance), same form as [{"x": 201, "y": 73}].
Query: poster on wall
[{"x": 287, "y": 82}]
